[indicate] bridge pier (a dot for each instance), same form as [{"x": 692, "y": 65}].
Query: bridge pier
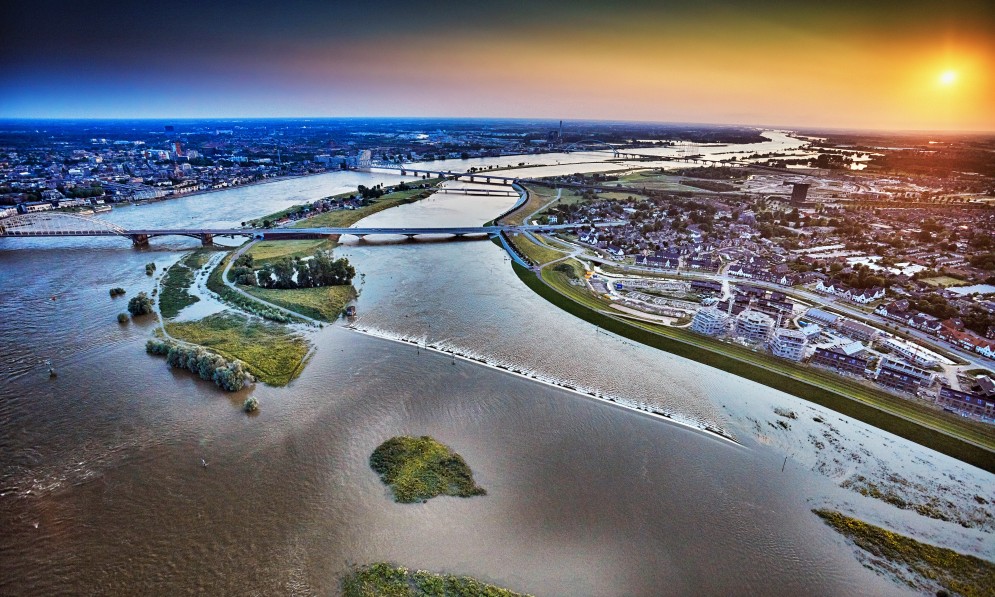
[
  {"x": 206, "y": 239},
  {"x": 140, "y": 240}
]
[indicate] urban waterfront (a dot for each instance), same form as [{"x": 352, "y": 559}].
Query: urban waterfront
[{"x": 121, "y": 475}]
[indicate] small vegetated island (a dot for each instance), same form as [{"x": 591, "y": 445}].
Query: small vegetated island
[
  {"x": 420, "y": 468},
  {"x": 395, "y": 581}
]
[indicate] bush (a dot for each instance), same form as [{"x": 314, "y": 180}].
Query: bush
[
  {"x": 209, "y": 366},
  {"x": 250, "y": 405},
  {"x": 122, "y": 318},
  {"x": 149, "y": 269},
  {"x": 115, "y": 292},
  {"x": 140, "y": 305}
]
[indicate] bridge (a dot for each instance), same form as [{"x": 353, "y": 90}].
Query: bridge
[
  {"x": 448, "y": 174},
  {"x": 62, "y": 224},
  {"x": 478, "y": 192}
]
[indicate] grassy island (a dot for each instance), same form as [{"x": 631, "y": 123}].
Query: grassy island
[
  {"x": 962, "y": 574},
  {"x": 420, "y": 468},
  {"x": 178, "y": 280},
  {"x": 388, "y": 580},
  {"x": 271, "y": 353}
]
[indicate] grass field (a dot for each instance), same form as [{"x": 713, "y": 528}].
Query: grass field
[
  {"x": 538, "y": 197},
  {"x": 943, "y": 281},
  {"x": 325, "y": 303},
  {"x": 271, "y": 250},
  {"x": 656, "y": 181},
  {"x": 963, "y": 574},
  {"x": 538, "y": 253},
  {"x": 273, "y": 354},
  {"x": 970, "y": 441}
]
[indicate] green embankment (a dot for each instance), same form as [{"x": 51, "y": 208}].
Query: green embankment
[
  {"x": 388, "y": 580},
  {"x": 963, "y": 574},
  {"x": 344, "y": 218},
  {"x": 273, "y": 354},
  {"x": 538, "y": 197},
  {"x": 420, "y": 468},
  {"x": 325, "y": 303},
  {"x": 848, "y": 397},
  {"x": 538, "y": 253}
]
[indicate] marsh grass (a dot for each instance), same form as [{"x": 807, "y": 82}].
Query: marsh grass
[{"x": 420, "y": 468}]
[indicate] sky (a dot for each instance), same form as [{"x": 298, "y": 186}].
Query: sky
[{"x": 912, "y": 65}]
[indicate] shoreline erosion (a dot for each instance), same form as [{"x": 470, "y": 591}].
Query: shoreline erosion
[{"x": 624, "y": 403}]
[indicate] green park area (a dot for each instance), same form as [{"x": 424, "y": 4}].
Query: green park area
[{"x": 535, "y": 249}]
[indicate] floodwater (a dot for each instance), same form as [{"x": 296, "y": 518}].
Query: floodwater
[{"x": 122, "y": 476}]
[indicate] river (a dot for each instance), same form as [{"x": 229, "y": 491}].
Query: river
[{"x": 103, "y": 490}]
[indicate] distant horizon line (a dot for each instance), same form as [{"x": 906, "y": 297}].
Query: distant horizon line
[{"x": 797, "y": 128}]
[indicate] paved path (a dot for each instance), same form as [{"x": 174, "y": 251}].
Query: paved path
[{"x": 224, "y": 278}]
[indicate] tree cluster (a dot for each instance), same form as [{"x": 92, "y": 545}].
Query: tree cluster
[
  {"x": 371, "y": 193},
  {"x": 228, "y": 375},
  {"x": 140, "y": 305},
  {"x": 319, "y": 271}
]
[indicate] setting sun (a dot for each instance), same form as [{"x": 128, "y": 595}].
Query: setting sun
[{"x": 948, "y": 78}]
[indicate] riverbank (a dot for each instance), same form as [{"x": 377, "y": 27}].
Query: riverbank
[
  {"x": 593, "y": 394},
  {"x": 342, "y": 218},
  {"x": 980, "y": 454},
  {"x": 921, "y": 566}
]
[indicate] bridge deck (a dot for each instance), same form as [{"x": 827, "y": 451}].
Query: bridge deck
[{"x": 275, "y": 233}]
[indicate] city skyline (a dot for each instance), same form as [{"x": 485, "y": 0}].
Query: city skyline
[{"x": 924, "y": 67}]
